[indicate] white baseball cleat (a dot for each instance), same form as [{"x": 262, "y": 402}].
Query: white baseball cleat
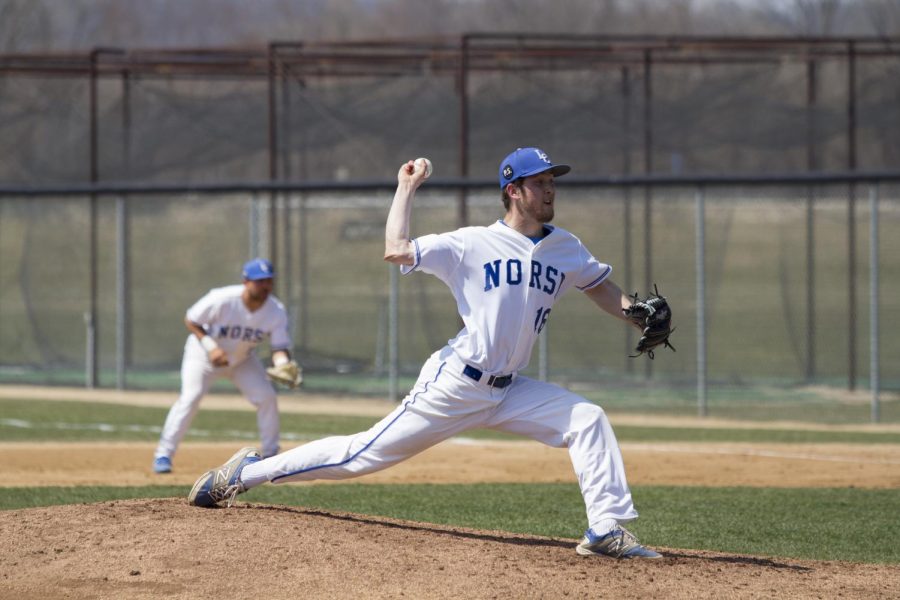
[
  {"x": 618, "y": 543},
  {"x": 224, "y": 483}
]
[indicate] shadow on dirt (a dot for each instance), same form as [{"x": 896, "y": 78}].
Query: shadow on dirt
[{"x": 503, "y": 538}]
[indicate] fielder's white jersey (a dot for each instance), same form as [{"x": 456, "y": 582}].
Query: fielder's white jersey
[
  {"x": 505, "y": 286},
  {"x": 237, "y": 330}
]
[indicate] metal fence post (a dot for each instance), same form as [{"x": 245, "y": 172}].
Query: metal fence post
[
  {"x": 700, "y": 241},
  {"x": 253, "y": 250},
  {"x": 123, "y": 243},
  {"x": 90, "y": 366},
  {"x": 874, "y": 374},
  {"x": 123, "y": 285}
]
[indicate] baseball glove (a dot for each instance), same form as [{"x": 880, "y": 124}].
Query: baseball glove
[
  {"x": 289, "y": 374},
  {"x": 653, "y": 315}
]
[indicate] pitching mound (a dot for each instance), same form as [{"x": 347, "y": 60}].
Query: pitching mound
[{"x": 165, "y": 548}]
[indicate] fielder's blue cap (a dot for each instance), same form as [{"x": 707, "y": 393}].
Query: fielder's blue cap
[
  {"x": 258, "y": 268},
  {"x": 528, "y": 161}
]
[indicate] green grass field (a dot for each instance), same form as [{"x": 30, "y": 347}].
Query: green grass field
[
  {"x": 825, "y": 524},
  {"x": 27, "y": 420}
]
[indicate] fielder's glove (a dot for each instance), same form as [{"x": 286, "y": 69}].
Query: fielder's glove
[
  {"x": 289, "y": 374},
  {"x": 653, "y": 315}
]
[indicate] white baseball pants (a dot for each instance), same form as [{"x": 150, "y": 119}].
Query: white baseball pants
[
  {"x": 197, "y": 375},
  {"x": 443, "y": 403}
]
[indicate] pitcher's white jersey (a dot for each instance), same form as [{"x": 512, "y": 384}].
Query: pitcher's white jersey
[
  {"x": 505, "y": 286},
  {"x": 236, "y": 329}
]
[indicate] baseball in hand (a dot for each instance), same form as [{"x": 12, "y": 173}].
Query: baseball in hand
[{"x": 419, "y": 162}]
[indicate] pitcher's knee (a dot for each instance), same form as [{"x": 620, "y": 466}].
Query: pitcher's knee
[
  {"x": 587, "y": 421},
  {"x": 588, "y": 413}
]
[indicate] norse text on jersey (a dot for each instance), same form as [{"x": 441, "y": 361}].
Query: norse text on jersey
[
  {"x": 549, "y": 280},
  {"x": 236, "y": 332}
]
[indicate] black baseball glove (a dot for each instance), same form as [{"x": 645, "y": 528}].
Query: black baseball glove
[{"x": 653, "y": 315}]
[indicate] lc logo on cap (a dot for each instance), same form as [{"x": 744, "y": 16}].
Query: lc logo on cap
[
  {"x": 258, "y": 268},
  {"x": 524, "y": 162}
]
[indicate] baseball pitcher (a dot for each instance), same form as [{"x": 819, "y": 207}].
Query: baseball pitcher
[{"x": 506, "y": 279}]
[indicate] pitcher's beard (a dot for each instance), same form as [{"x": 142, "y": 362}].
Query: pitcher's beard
[{"x": 546, "y": 215}]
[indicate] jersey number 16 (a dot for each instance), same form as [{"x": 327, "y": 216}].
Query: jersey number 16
[{"x": 540, "y": 319}]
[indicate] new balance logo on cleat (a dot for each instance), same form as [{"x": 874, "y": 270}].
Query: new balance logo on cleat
[
  {"x": 618, "y": 543},
  {"x": 221, "y": 475}
]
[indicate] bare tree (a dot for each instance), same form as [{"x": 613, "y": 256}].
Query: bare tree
[
  {"x": 817, "y": 17},
  {"x": 24, "y": 26},
  {"x": 883, "y": 16}
]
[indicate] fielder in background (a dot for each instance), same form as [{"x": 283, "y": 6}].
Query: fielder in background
[
  {"x": 505, "y": 278},
  {"x": 226, "y": 325}
]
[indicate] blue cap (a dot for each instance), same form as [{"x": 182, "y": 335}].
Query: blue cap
[
  {"x": 258, "y": 268},
  {"x": 528, "y": 161}
]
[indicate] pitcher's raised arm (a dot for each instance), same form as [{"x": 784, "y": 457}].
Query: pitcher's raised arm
[{"x": 398, "y": 248}]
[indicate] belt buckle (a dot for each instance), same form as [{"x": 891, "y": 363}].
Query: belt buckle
[
  {"x": 492, "y": 381},
  {"x": 500, "y": 381}
]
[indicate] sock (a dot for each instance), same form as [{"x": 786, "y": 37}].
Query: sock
[
  {"x": 252, "y": 475},
  {"x": 604, "y": 527}
]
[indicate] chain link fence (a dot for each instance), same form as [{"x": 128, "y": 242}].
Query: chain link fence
[
  {"x": 778, "y": 284},
  {"x": 784, "y": 277}
]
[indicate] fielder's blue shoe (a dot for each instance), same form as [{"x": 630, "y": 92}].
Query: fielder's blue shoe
[
  {"x": 223, "y": 484},
  {"x": 618, "y": 543},
  {"x": 162, "y": 464}
]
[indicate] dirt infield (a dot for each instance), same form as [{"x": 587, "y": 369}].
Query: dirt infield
[{"x": 164, "y": 548}]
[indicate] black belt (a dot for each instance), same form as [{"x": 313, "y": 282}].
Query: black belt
[{"x": 493, "y": 381}]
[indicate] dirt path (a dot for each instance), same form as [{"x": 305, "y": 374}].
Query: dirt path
[{"x": 774, "y": 465}]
